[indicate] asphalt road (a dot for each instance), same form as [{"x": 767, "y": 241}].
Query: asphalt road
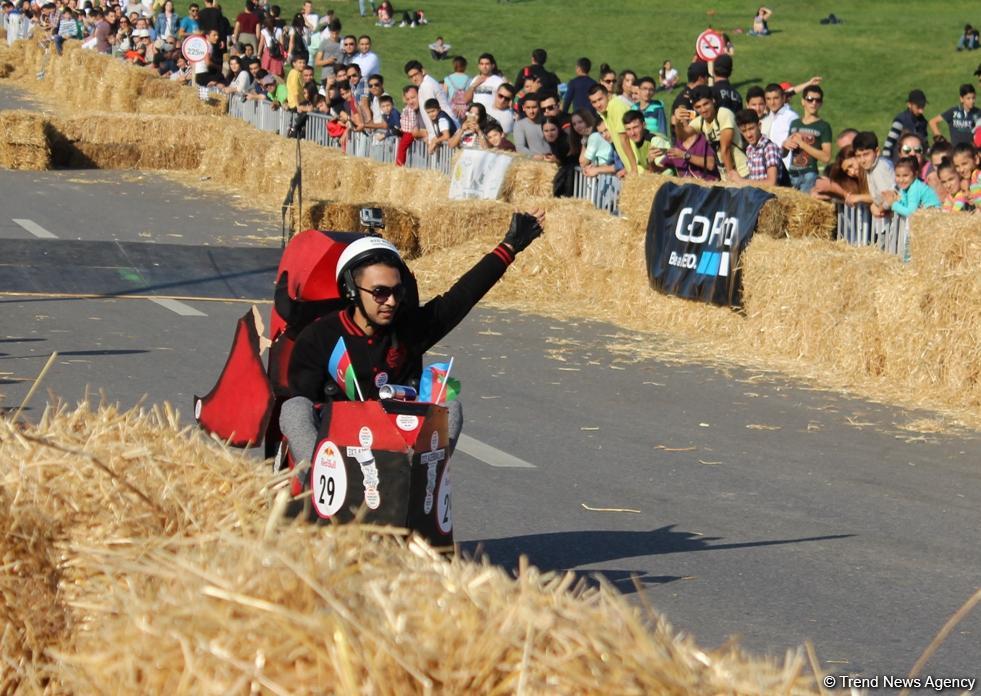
[{"x": 754, "y": 506}]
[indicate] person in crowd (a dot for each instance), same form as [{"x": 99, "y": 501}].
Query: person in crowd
[
  {"x": 577, "y": 89},
  {"x": 913, "y": 193},
  {"x": 909, "y": 121},
  {"x": 348, "y": 114},
  {"x": 502, "y": 111},
  {"x": 911, "y": 145},
  {"x": 725, "y": 95},
  {"x": 189, "y": 24},
  {"x": 361, "y": 7},
  {"x": 549, "y": 104},
  {"x": 845, "y": 177},
  {"x": 648, "y": 148},
  {"x": 429, "y": 88},
  {"x": 965, "y": 159},
  {"x": 667, "y": 76},
  {"x": 366, "y": 59},
  {"x": 955, "y": 199},
  {"x": 762, "y": 154},
  {"x": 240, "y": 81},
  {"x": 625, "y": 86},
  {"x": 970, "y": 40},
  {"x": 961, "y": 120},
  {"x": 845, "y": 138},
  {"x": 561, "y": 151},
  {"x": 470, "y": 134},
  {"x": 68, "y": 28},
  {"x": 358, "y": 85},
  {"x": 271, "y": 56},
  {"x": 698, "y": 74},
  {"x": 531, "y": 84},
  {"x": 122, "y": 35},
  {"x": 294, "y": 82},
  {"x": 692, "y": 155},
  {"x": 761, "y": 22},
  {"x": 582, "y": 123},
  {"x": 809, "y": 141},
  {"x": 349, "y": 49},
  {"x": 484, "y": 85},
  {"x": 439, "y": 49},
  {"x": 655, "y": 119},
  {"x": 496, "y": 139},
  {"x": 719, "y": 126},
  {"x": 756, "y": 100},
  {"x": 456, "y": 84},
  {"x": 612, "y": 109},
  {"x": 213, "y": 64},
  {"x": 442, "y": 125},
  {"x": 598, "y": 156},
  {"x": 370, "y": 105},
  {"x": 295, "y": 44},
  {"x": 879, "y": 174},
  {"x": 549, "y": 81},
  {"x": 211, "y": 19},
  {"x": 167, "y": 22},
  {"x": 391, "y": 116},
  {"x": 385, "y": 14},
  {"x": 527, "y": 134},
  {"x": 776, "y": 124},
  {"x": 608, "y": 78},
  {"x": 410, "y": 123},
  {"x": 329, "y": 54}
]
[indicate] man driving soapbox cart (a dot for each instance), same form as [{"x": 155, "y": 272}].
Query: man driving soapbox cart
[{"x": 344, "y": 401}]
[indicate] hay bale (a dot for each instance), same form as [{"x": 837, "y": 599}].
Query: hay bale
[
  {"x": 527, "y": 178},
  {"x": 940, "y": 242},
  {"x": 401, "y": 226},
  {"x": 26, "y": 143},
  {"x": 446, "y": 225},
  {"x": 177, "y": 575}
]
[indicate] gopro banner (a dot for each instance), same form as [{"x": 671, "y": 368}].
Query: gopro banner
[{"x": 694, "y": 238}]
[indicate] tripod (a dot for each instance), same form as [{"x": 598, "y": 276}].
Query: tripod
[{"x": 296, "y": 131}]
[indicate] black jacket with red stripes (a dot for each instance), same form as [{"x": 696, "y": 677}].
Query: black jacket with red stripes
[{"x": 391, "y": 355}]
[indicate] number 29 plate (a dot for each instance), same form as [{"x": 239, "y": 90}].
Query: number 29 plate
[{"x": 328, "y": 480}]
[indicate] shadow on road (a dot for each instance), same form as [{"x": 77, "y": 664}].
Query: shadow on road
[{"x": 571, "y": 550}]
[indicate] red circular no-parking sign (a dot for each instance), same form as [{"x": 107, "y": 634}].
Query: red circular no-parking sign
[{"x": 710, "y": 45}]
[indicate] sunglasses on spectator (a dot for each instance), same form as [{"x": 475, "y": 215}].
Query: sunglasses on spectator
[
  {"x": 611, "y": 81},
  {"x": 550, "y": 107},
  {"x": 813, "y": 100},
  {"x": 381, "y": 293},
  {"x": 374, "y": 84},
  {"x": 413, "y": 75},
  {"x": 907, "y": 149}
]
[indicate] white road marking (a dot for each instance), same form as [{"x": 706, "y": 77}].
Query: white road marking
[
  {"x": 178, "y": 307},
  {"x": 491, "y": 455},
  {"x": 35, "y": 229}
]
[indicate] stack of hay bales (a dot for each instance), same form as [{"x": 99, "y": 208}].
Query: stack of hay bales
[
  {"x": 401, "y": 226},
  {"x": 143, "y": 556},
  {"x": 134, "y": 141},
  {"x": 25, "y": 144}
]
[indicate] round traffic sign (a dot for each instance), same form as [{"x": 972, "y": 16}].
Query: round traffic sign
[
  {"x": 195, "y": 48},
  {"x": 710, "y": 45}
]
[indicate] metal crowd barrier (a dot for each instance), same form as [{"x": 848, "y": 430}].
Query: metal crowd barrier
[
  {"x": 602, "y": 190},
  {"x": 858, "y": 227},
  {"x": 206, "y": 93}
]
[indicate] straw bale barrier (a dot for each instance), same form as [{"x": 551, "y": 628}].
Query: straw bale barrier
[
  {"x": 25, "y": 144},
  {"x": 144, "y": 558}
]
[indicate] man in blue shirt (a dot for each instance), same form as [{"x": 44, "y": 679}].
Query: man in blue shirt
[
  {"x": 189, "y": 24},
  {"x": 577, "y": 89}
]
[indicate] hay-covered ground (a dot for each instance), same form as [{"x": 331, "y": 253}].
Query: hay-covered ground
[{"x": 140, "y": 557}]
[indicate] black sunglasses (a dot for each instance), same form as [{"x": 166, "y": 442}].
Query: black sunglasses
[{"x": 381, "y": 293}]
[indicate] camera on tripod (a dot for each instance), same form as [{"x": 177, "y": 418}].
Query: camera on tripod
[{"x": 298, "y": 127}]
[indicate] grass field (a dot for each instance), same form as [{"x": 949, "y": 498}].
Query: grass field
[{"x": 884, "y": 49}]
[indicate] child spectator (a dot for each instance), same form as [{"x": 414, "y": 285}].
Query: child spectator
[
  {"x": 913, "y": 193},
  {"x": 391, "y": 115},
  {"x": 456, "y": 84},
  {"x": 961, "y": 120},
  {"x": 809, "y": 141},
  {"x": 496, "y": 139},
  {"x": 955, "y": 199},
  {"x": 439, "y": 49},
  {"x": 969, "y": 40},
  {"x": 764, "y": 157},
  {"x": 878, "y": 174},
  {"x": 442, "y": 124},
  {"x": 965, "y": 161},
  {"x": 667, "y": 76}
]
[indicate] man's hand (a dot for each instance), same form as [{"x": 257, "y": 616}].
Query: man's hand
[{"x": 524, "y": 229}]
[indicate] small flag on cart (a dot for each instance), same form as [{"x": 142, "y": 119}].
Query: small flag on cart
[
  {"x": 435, "y": 378},
  {"x": 342, "y": 371}
]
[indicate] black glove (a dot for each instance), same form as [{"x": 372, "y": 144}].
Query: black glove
[{"x": 523, "y": 231}]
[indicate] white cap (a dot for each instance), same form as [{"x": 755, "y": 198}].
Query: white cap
[{"x": 362, "y": 247}]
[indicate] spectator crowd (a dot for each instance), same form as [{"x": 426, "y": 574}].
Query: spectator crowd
[{"x": 619, "y": 123}]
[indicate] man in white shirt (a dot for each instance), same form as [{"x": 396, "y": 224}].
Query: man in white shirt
[
  {"x": 429, "y": 88},
  {"x": 366, "y": 59},
  {"x": 484, "y": 86},
  {"x": 501, "y": 111},
  {"x": 776, "y": 124}
]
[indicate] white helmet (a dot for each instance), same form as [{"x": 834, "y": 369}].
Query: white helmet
[{"x": 356, "y": 254}]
